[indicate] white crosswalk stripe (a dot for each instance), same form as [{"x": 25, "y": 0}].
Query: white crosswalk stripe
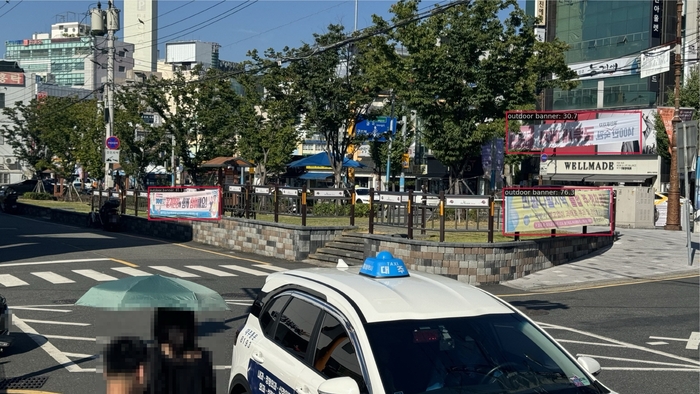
[
  {"x": 210, "y": 270},
  {"x": 173, "y": 271},
  {"x": 245, "y": 270},
  {"x": 92, "y": 274},
  {"x": 131, "y": 271},
  {"x": 52, "y": 277},
  {"x": 270, "y": 267},
  {"x": 8, "y": 280}
]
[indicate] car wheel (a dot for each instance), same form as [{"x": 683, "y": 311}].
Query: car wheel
[
  {"x": 358, "y": 201},
  {"x": 239, "y": 385}
]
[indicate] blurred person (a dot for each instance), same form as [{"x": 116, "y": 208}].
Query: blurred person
[
  {"x": 176, "y": 363},
  {"x": 124, "y": 369}
]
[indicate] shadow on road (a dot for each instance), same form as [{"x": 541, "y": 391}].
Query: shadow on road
[{"x": 539, "y": 305}]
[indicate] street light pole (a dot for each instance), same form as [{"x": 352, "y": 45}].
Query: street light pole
[
  {"x": 674, "y": 196},
  {"x": 391, "y": 140}
]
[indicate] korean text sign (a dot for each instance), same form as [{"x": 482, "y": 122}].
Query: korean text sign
[
  {"x": 192, "y": 203},
  {"x": 540, "y": 210}
]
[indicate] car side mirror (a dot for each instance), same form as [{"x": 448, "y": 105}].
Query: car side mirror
[
  {"x": 591, "y": 365},
  {"x": 342, "y": 385}
]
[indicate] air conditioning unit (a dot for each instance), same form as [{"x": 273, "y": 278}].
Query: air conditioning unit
[{"x": 10, "y": 160}]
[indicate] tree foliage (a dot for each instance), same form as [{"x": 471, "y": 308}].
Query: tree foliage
[
  {"x": 198, "y": 108},
  {"x": 24, "y": 135},
  {"x": 268, "y": 115},
  {"x": 336, "y": 88},
  {"x": 467, "y": 67}
]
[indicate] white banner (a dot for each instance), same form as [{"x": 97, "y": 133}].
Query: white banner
[
  {"x": 204, "y": 204},
  {"x": 622, "y": 128},
  {"x": 656, "y": 62},
  {"x": 598, "y": 69}
]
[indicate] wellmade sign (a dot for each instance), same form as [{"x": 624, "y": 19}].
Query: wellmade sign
[
  {"x": 618, "y": 165},
  {"x": 589, "y": 165}
]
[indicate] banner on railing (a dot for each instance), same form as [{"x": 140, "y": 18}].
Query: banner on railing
[
  {"x": 538, "y": 210},
  {"x": 185, "y": 202}
]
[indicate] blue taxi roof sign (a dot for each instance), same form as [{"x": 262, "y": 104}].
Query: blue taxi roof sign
[{"x": 384, "y": 266}]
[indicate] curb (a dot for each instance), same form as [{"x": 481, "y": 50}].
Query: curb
[{"x": 607, "y": 282}]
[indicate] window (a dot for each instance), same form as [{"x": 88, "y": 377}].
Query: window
[
  {"x": 269, "y": 315},
  {"x": 2, "y": 100},
  {"x": 121, "y": 69},
  {"x": 295, "y": 326},
  {"x": 335, "y": 355},
  {"x": 120, "y": 53}
]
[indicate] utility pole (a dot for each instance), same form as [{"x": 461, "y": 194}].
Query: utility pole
[
  {"x": 391, "y": 140},
  {"x": 107, "y": 22},
  {"x": 674, "y": 202},
  {"x": 402, "y": 181}
]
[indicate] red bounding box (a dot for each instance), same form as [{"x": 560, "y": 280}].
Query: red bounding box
[
  {"x": 536, "y": 211},
  {"x": 590, "y": 132},
  {"x": 184, "y": 203}
]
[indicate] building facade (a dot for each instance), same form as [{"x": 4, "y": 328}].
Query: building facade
[
  {"x": 69, "y": 56},
  {"x": 141, "y": 29}
]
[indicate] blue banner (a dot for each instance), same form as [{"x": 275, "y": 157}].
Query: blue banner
[{"x": 263, "y": 382}]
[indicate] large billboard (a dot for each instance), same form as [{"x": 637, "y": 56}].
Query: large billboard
[
  {"x": 536, "y": 211},
  {"x": 184, "y": 203},
  {"x": 574, "y": 132}
]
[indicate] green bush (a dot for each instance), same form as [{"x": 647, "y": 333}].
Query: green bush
[{"x": 37, "y": 196}]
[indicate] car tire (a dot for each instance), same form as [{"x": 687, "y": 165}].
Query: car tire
[
  {"x": 240, "y": 385},
  {"x": 358, "y": 201}
]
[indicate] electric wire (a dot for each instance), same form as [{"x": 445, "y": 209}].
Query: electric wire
[{"x": 13, "y": 7}]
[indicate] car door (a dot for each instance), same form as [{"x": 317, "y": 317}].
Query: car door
[
  {"x": 333, "y": 356},
  {"x": 276, "y": 362}
]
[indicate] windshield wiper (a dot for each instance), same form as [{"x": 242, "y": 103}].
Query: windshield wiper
[{"x": 550, "y": 370}]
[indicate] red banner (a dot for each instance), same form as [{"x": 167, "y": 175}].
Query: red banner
[{"x": 8, "y": 78}]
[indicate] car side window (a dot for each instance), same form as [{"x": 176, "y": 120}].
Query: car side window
[
  {"x": 335, "y": 355},
  {"x": 270, "y": 314},
  {"x": 296, "y": 325}
]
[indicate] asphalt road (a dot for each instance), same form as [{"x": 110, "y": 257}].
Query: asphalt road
[{"x": 639, "y": 333}]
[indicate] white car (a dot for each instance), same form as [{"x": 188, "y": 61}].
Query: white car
[{"x": 382, "y": 329}]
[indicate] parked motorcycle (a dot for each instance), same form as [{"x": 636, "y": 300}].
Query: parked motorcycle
[
  {"x": 108, "y": 216},
  {"x": 9, "y": 203}
]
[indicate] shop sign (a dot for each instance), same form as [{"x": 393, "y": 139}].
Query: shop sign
[{"x": 656, "y": 13}]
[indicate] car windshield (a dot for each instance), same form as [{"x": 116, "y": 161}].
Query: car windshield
[
  {"x": 500, "y": 353},
  {"x": 362, "y": 192}
]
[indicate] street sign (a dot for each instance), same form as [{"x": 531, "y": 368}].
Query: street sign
[
  {"x": 111, "y": 155},
  {"x": 375, "y": 129},
  {"x": 112, "y": 143},
  {"x": 687, "y": 142},
  {"x": 544, "y": 157}
]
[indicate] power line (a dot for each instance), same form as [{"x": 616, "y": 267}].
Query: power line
[{"x": 13, "y": 7}]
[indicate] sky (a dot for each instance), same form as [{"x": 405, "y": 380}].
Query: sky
[{"x": 238, "y": 26}]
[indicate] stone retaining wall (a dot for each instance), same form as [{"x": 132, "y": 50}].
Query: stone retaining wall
[
  {"x": 486, "y": 263},
  {"x": 265, "y": 238}
]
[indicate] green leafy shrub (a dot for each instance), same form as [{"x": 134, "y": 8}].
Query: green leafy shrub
[{"x": 37, "y": 196}]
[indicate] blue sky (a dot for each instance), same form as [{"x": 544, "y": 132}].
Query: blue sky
[{"x": 262, "y": 25}]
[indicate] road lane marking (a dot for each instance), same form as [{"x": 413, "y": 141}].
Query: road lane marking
[
  {"x": 98, "y": 276},
  {"x": 209, "y": 270},
  {"x": 64, "y": 323},
  {"x": 245, "y": 270},
  {"x": 173, "y": 271},
  {"x": 52, "y": 277},
  {"x": 221, "y": 254},
  {"x": 657, "y": 343},
  {"x": 8, "y": 280},
  {"x": 633, "y": 360},
  {"x": 48, "y": 347},
  {"x": 80, "y": 355},
  {"x": 131, "y": 271},
  {"x": 124, "y": 262},
  {"x": 588, "y": 343},
  {"x": 29, "y": 308},
  {"x": 16, "y": 245},
  {"x": 547, "y": 326},
  {"x": 693, "y": 341},
  {"x": 669, "y": 339},
  {"x": 271, "y": 267},
  {"x": 52, "y": 262},
  {"x": 71, "y": 338},
  {"x": 219, "y": 367}
]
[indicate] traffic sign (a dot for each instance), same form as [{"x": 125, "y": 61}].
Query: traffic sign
[
  {"x": 544, "y": 157},
  {"x": 111, "y": 156},
  {"x": 375, "y": 129},
  {"x": 112, "y": 143}
]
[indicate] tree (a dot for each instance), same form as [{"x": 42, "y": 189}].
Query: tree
[
  {"x": 142, "y": 144},
  {"x": 267, "y": 123},
  {"x": 24, "y": 135},
  {"x": 336, "y": 90},
  {"x": 198, "y": 108},
  {"x": 467, "y": 67},
  {"x": 89, "y": 137},
  {"x": 689, "y": 96}
]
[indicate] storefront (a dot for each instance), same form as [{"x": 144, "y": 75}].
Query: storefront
[{"x": 603, "y": 170}]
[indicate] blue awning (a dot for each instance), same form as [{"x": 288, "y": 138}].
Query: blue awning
[{"x": 316, "y": 175}]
